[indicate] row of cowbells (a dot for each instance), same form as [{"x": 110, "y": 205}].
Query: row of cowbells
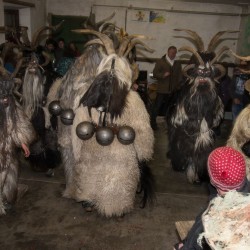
[{"x": 85, "y": 130}]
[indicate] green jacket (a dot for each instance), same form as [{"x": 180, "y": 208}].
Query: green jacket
[{"x": 167, "y": 85}]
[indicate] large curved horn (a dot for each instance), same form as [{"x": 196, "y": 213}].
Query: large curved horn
[
  {"x": 6, "y": 48},
  {"x": 93, "y": 41},
  {"x": 108, "y": 27},
  {"x": 113, "y": 37},
  {"x": 196, "y": 54},
  {"x": 244, "y": 71},
  {"x": 215, "y": 39},
  {"x": 196, "y": 38},
  {"x": 104, "y": 38},
  {"x": 24, "y": 35},
  {"x": 12, "y": 31},
  {"x": 36, "y": 35},
  {"x": 222, "y": 71},
  {"x": 100, "y": 23},
  {"x": 219, "y": 53},
  {"x": 126, "y": 40},
  {"x": 186, "y": 68},
  {"x": 135, "y": 42},
  {"x": 243, "y": 58}
]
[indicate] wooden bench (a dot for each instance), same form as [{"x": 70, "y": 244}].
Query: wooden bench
[{"x": 183, "y": 228}]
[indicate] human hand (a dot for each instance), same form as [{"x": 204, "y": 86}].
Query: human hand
[
  {"x": 135, "y": 86},
  {"x": 26, "y": 150},
  {"x": 167, "y": 74}
]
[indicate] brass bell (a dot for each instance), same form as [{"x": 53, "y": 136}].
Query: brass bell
[
  {"x": 55, "y": 108},
  {"x": 85, "y": 130},
  {"x": 67, "y": 116},
  {"x": 126, "y": 135},
  {"x": 104, "y": 136}
]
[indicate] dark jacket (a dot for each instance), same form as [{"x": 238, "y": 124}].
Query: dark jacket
[{"x": 169, "y": 84}]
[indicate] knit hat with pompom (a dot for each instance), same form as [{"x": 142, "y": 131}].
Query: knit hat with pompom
[{"x": 226, "y": 168}]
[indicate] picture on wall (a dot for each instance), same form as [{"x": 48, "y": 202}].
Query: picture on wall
[
  {"x": 140, "y": 16},
  {"x": 157, "y": 17}
]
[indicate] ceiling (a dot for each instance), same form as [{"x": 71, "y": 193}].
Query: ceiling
[{"x": 233, "y": 2}]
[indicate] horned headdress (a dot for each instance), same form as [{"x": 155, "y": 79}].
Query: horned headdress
[{"x": 205, "y": 58}]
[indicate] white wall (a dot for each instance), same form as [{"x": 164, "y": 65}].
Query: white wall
[
  {"x": 32, "y": 17},
  {"x": 205, "y": 19}
]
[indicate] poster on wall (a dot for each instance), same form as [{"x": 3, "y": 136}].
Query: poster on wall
[
  {"x": 157, "y": 17},
  {"x": 140, "y": 15}
]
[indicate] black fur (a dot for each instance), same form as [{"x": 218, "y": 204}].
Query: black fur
[
  {"x": 44, "y": 153},
  {"x": 147, "y": 184},
  {"x": 198, "y": 105},
  {"x": 106, "y": 92}
]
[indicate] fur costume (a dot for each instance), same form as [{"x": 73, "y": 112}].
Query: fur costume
[
  {"x": 44, "y": 153},
  {"x": 240, "y": 136},
  {"x": 108, "y": 176},
  {"x": 197, "y": 110},
  {"x": 16, "y": 130},
  {"x": 69, "y": 90},
  {"x": 105, "y": 176}
]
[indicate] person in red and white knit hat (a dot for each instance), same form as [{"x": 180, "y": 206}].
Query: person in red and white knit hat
[{"x": 227, "y": 171}]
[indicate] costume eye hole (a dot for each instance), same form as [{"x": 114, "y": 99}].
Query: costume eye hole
[
  {"x": 207, "y": 73},
  {"x": 203, "y": 72},
  {"x": 199, "y": 72}
]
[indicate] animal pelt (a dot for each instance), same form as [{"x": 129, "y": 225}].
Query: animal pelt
[
  {"x": 33, "y": 91},
  {"x": 196, "y": 111},
  {"x": 240, "y": 135},
  {"x": 110, "y": 87},
  {"x": 42, "y": 156},
  {"x": 15, "y": 130},
  {"x": 81, "y": 73},
  {"x": 146, "y": 184},
  {"x": 108, "y": 176},
  {"x": 69, "y": 90},
  {"x": 44, "y": 153},
  {"x": 76, "y": 81}
]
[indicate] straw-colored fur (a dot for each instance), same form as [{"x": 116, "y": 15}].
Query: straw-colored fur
[{"x": 241, "y": 134}]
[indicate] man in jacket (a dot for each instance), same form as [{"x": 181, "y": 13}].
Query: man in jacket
[{"x": 168, "y": 73}]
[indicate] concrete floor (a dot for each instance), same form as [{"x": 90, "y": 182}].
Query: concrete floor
[{"x": 44, "y": 220}]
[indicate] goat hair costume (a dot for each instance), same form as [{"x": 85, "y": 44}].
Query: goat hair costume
[
  {"x": 15, "y": 130},
  {"x": 44, "y": 153},
  {"x": 240, "y": 135},
  {"x": 105, "y": 176},
  {"x": 108, "y": 176},
  {"x": 96, "y": 92},
  {"x": 69, "y": 90},
  {"x": 197, "y": 110}
]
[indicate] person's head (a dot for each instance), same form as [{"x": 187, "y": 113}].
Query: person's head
[
  {"x": 226, "y": 169},
  {"x": 172, "y": 51},
  {"x": 72, "y": 46},
  {"x": 61, "y": 43},
  {"x": 50, "y": 44}
]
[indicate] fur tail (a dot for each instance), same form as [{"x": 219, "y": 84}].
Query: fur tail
[{"x": 147, "y": 185}]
